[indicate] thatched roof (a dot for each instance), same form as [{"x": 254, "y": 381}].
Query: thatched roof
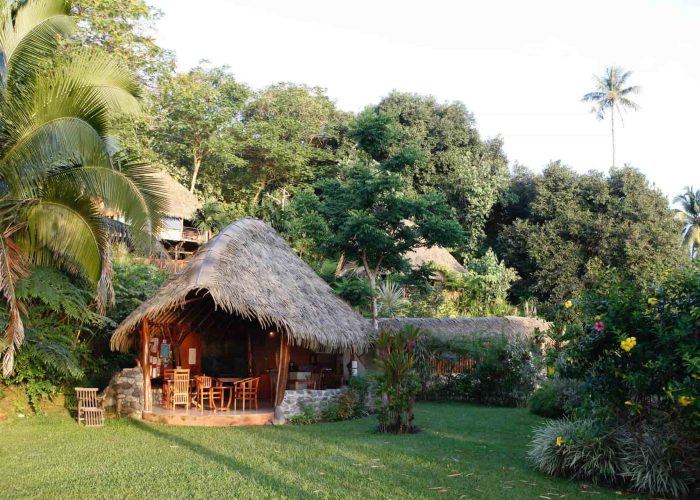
[
  {"x": 446, "y": 328},
  {"x": 181, "y": 203},
  {"x": 248, "y": 270},
  {"x": 436, "y": 255}
]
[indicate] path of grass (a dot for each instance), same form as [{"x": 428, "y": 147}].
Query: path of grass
[{"x": 464, "y": 452}]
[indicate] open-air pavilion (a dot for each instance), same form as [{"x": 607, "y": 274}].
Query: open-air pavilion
[{"x": 246, "y": 306}]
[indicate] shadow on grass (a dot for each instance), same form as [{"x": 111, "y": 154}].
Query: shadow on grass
[{"x": 255, "y": 475}]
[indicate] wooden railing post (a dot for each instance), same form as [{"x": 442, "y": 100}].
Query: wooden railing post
[
  {"x": 282, "y": 374},
  {"x": 146, "y": 365}
]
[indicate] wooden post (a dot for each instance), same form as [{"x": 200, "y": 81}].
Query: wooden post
[
  {"x": 250, "y": 355},
  {"x": 282, "y": 371},
  {"x": 146, "y": 365}
]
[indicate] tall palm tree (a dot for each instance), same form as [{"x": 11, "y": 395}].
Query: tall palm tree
[
  {"x": 689, "y": 214},
  {"x": 58, "y": 169},
  {"x": 611, "y": 94}
]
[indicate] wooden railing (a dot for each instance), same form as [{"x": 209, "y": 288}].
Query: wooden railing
[{"x": 452, "y": 367}]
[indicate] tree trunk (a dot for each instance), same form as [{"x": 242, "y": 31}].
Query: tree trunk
[
  {"x": 612, "y": 130},
  {"x": 195, "y": 173},
  {"x": 256, "y": 197},
  {"x": 372, "y": 277},
  {"x": 340, "y": 265}
]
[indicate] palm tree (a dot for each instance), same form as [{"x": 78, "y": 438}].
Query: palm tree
[
  {"x": 58, "y": 169},
  {"x": 391, "y": 299},
  {"x": 611, "y": 94},
  {"x": 689, "y": 214}
]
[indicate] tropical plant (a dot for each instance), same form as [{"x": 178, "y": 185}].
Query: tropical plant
[
  {"x": 391, "y": 299},
  {"x": 612, "y": 95},
  {"x": 398, "y": 383},
  {"x": 689, "y": 215},
  {"x": 58, "y": 166}
]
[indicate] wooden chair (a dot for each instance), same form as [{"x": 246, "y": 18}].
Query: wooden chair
[
  {"x": 168, "y": 375},
  {"x": 208, "y": 387},
  {"x": 246, "y": 390},
  {"x": 89, "y": 411},
  {"x": 181, "y": 389}
]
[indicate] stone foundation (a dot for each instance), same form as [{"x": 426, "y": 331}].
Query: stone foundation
[
  {"x": 294, "y": 400},
  {"x": 124, "y": 394}
]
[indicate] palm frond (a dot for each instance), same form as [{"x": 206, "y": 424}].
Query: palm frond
[
  {"x": 31, "y": 38},
  {"x": 65, "y": 229},
  {"x": 12, "y": 269},
  {"x": 128, "y": 186},
  {"x": 66, "y": 140}
]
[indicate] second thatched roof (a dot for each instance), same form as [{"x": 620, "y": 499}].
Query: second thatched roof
[
  {"x": 513, "y": 327},
  {"x": 249, "y": 270},
  {"x": 180, "y": 202}
]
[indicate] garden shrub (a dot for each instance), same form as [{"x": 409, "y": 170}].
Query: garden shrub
[
  {"x": 555, "y": 398},
  {"x": 636, "y": 353},
  {"x": 505, "y": 373},
  {"x": 307, "y": 416},
  {"x": 580, "y": 449},
  {"x": 654, "y": 459},
  {"x": 398, "y": 382}
]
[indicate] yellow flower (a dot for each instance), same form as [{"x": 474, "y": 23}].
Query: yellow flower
[
  {"x": 598, "y": 317},
  {"x": 686, "y": 400},
  {"x": 652, "y": 301},
  {"x": 629, "y": 403},
  {"x": 628, "y": 344},
  {"x": 550, "y": 371},
  {"x": 695, "y": 376},
  {"x": 560, "y": 440},
  {"x": 568, "y": 304}
]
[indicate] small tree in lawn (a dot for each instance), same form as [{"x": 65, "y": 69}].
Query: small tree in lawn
[
  {"x": 398, "y": 381},
  {"x": 370, "y": 215}
]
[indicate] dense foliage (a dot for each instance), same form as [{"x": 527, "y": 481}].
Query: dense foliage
[
  {"x": 502, "y": 371},
  {"x": 634, "y": 352},
  {"x": 551, "y": 227}
]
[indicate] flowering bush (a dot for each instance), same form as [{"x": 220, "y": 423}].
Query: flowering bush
[
  {"x": 636, "y": 350},
  {"x": 636, "y": 354}
]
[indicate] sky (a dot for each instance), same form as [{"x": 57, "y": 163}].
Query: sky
[{"x": 520, "y": 67}]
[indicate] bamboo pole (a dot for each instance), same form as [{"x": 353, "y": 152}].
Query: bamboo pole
[{"x": 146, "y": 366}]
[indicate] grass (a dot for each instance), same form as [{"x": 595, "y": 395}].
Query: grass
[{"x": 463, "y": 452}]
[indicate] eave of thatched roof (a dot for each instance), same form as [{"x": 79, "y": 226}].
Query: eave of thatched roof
[
  {"x": 180, "y": 202},
  {"x": 446, "y": 328},
  {"x": 249, "y": 270}
]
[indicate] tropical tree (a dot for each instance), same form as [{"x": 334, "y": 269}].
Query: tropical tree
[
  {"x": 612, "y": 95},
  {"x": 58, "y": 166},
  {"x": 197, "y": 112},
  {"x": 689, "y": 215}
]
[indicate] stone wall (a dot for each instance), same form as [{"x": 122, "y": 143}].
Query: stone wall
[
  {"x": 294, "y": 400},
  {"x": 124, "y": 394}
]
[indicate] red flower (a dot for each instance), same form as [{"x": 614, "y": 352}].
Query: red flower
[{"x": 599, "y": 326}]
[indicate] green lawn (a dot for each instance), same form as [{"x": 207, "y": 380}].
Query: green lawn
[{"x": 464, "y": 452}]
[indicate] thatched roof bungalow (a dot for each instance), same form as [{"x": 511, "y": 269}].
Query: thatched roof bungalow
[{"x": 244, "y": 286}]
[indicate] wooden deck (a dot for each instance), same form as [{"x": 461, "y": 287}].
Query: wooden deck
[{"x": 194, "y": 417}]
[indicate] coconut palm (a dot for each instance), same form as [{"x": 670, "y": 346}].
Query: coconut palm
[
  {"x": 58, "y": 170},
  {"x": 611, "y": 94},
  {"x": 689, "y": 215}
]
